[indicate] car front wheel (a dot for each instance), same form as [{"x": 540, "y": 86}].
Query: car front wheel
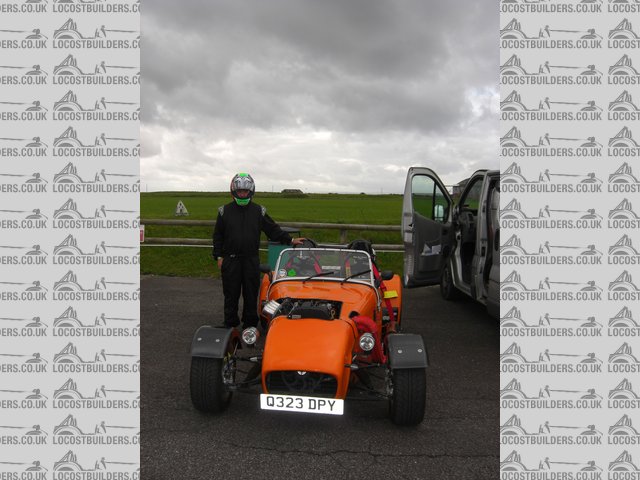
[
  {"x": 208, "y": 392},
  {"x": 408, "y": 395}
]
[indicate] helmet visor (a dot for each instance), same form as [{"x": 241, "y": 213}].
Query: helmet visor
[{"x": 242, "y": 183}]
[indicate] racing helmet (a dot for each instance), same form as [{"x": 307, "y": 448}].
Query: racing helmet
[{"x": 242, "y": 181}]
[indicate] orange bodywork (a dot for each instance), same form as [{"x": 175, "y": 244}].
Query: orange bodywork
[
  {"x": 354, "y": 296},
  {"x": 315, "y": 345},
  {"x": 310, "y": 345}
]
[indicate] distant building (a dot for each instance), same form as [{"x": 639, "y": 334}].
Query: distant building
[
  {"x": 293, "y": 193},
  {"x": 457, "y": 189}
]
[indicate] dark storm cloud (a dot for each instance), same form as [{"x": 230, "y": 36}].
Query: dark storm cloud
[
  {"x": 352, "y": 64},
  {"x": 346, "y": 87}
]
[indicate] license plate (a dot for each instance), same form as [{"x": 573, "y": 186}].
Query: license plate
[{"x": 294, "y": 403}]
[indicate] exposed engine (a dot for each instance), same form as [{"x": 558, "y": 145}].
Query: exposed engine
[{"x": 309, "y": 308}]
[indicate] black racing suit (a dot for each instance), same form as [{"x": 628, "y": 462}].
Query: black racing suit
[{"x": 236, "y": 238}]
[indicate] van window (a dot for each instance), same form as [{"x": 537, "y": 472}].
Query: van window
[
  {"x": 471, "y": 200},
  {"x": 428, "y": 199}
]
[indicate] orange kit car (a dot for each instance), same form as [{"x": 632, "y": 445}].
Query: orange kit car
[{"x": 330, "y": 321}]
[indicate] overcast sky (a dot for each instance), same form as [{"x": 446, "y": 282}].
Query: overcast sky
[{"x": 322, "y": 95}]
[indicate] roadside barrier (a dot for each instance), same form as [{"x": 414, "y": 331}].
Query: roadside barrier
[{"x": 343, "y": 228}]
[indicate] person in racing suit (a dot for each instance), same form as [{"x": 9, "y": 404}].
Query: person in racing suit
[{"x": 236, "y": 242}]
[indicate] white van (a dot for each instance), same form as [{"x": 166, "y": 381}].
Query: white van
[{"x": 455, "y": 245}]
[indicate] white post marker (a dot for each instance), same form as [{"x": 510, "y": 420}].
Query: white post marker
[{"x": 181, "y": 210}]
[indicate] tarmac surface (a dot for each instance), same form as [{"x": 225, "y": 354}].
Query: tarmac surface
[{"x": 457, "y": 440}]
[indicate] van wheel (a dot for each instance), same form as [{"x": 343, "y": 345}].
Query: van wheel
[{"x": 447, "y": 289}]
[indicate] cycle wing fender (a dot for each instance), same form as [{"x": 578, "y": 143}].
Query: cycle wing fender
[
  {"x": 407, "y": 350},
  {"x": 212, "y": 342}
]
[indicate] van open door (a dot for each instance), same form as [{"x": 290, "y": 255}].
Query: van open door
[
  {"x": 427, "y": 232},
  {"x": 493, "y": 288}
]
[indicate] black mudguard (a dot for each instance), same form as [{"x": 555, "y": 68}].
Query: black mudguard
[
  {"x": 211, "y": 342},
  {"x": 407, "y": 350}
]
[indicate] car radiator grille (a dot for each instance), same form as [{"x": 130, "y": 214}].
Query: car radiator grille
[{"x": 301, "y": 383}]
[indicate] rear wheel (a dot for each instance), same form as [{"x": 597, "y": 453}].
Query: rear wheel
[
  {"x": 208, "y": 391},
  {"x": 408, "y": 395},
  {"x": 447, "y": 288}
]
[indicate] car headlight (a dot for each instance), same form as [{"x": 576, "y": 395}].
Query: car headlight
[
  {"x": 270, "y": 308},
  {"x": 250, "y": 335},
  {"x": 367, "y": 342}
]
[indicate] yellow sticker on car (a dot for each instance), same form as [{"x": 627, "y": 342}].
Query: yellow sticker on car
[{"x": 391, "y": 294}]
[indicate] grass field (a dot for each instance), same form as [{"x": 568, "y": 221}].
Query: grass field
[{"x": 316, "y": 208}]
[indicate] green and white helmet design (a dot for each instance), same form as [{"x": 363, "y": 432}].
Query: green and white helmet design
[{"x": 242, "y": 181}]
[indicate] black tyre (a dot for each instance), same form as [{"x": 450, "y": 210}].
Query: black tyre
[
  {"x": 208, "y": 393},
  {"x": 447, "y": 289},
  {"x": 407, "y": 401}
]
